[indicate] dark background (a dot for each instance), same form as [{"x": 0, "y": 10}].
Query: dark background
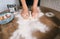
[{"x": 29, "y": 2}]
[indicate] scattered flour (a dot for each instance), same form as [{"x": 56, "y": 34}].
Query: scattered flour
[{"x": 26, "y": 27}]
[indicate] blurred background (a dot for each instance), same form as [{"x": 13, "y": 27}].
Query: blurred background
[{"x": 54, "y": 4}]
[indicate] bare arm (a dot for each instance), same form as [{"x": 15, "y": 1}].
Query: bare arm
[
  {"x": 35, "y": 3},
  {"x": 24, "y": 4}
]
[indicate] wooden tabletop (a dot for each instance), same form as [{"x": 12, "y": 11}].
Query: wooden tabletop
[{"x": 44, "y": 10}]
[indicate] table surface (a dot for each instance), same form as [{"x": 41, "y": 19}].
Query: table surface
[{"x": 44, "y": 10}]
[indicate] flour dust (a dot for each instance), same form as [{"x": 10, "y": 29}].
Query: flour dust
[{"x": 26, "y": 27}]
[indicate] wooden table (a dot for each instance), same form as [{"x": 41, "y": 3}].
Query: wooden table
[
  {"x": 44, "y": 10},
  {"x": 6, "y": 30},
  {"x": 57, "y": 14}
]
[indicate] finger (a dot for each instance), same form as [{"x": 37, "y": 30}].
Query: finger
[
  {"x": 35, "y": 15},
  {"x": 25, "y": 16}
]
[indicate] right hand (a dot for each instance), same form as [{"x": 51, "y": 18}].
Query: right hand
[{"x": 25, "y": 14}]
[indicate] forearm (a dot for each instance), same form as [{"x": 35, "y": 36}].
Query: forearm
[
  {"x": 35, "y": 4},
  {"x": 24, "y": 4}
]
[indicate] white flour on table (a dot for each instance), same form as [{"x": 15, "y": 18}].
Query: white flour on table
[{"x": 26, "y": 27}]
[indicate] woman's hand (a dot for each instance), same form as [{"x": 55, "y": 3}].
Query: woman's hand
[{"x": 25, "y": 14}]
